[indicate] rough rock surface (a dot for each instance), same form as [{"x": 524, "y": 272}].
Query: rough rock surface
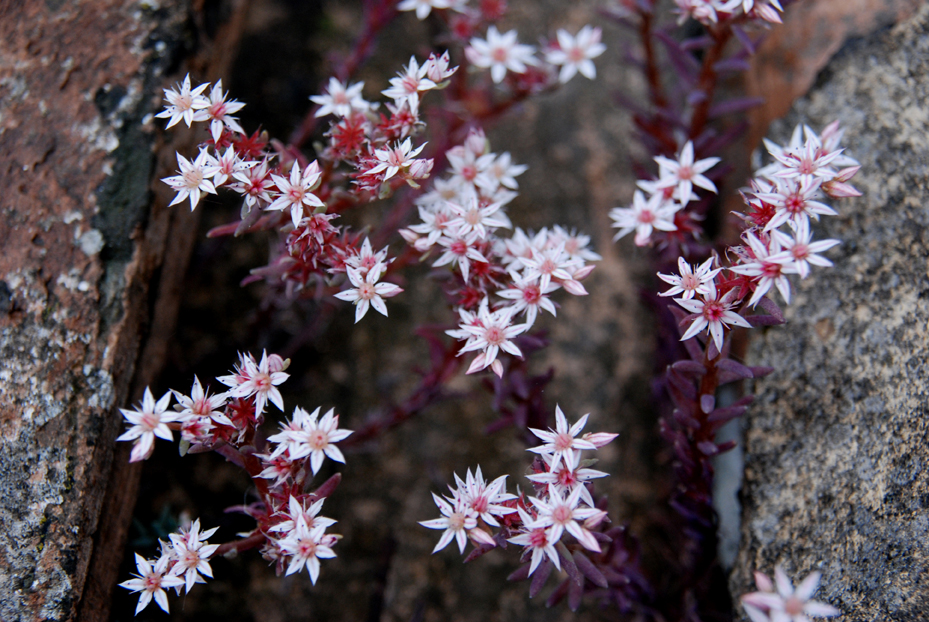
[
  {"x": 84, "y": 276},
  {"x": 838, "y": 441}
]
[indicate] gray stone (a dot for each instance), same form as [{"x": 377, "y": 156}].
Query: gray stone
[{"x": 836, "y": 444}]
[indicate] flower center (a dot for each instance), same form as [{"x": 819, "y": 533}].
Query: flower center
[
  {"x": 793, "y": 606},
  {"x": 685, "y": 173},
  {"x": 318, "y": 439},
  {"x": 494, "y": 336},
  {"x": 456, "y": 521},
  {"x": 193, "y": 177},
  {"x": 500, "y": 55},
  {"x": 562, "y": 514},
  {"x": 713, "y": 311}
]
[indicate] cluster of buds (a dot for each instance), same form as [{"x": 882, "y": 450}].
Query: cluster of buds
[
  {"x": 555, "y": 526},
  {"x": 288, "y": 529},
  {"x": 461, "y": 216}
]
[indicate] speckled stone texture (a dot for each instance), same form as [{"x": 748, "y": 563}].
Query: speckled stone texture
[
  {"x": 836, "y": 445},
  {"x": 85, "y": 278}
]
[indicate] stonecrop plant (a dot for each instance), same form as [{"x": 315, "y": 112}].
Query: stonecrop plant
[{"x": 419, "y": 149}]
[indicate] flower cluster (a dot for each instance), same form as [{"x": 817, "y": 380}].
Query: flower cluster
[
  {"x": 562, "y": 506},
  {"x": 784, "y": 195},
  {"x": 288, "y": 529},
  {"x": 713, "y": 11},
  {"x": 184, "y": 561},
  {"x": 461, "y": 217}
]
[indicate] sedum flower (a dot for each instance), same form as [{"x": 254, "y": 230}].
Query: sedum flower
[
  {"x": 150, "y": 581},
  {"x": 423, "y": 7},
  {"x": 574, "y": 54},
  {"x": 684, "y": 173},
  {"x": 500, "y": 53},
  {"x": 306, "y": 547},
  {"x": 492, "y": 334},
  {"x": 643, "y": 217},
  {"x": 192, "y": 552},
  {"x": 183, "y": 103},
  {"x": 193, "y": 179},
  {"x": 367, "y": 292},
  {"x": 562, "y": 514},
  {"x": 786, "y": 604},
  {"x": 305, "y": 436},
  {"x": 537, "y": 540},
  {"x": 562, "y": 440},
  {"x": 218, "y": 112},
  {"x": 459, "y": 522},
  {"x": 148, "y": 421},
  {"x": 712, "y": 314},
  {"x": 341, "y": 99},
  {"x": 692, "y": 279},
  {"x": 296, "y": 192},
  {"x": 256, "y": 379}
]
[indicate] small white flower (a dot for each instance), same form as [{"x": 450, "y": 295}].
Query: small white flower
[
  {"x": 183, "y": 103},
  {"x": 643, "y": 217},
  {"x": 562, "y": 514},
  {"x": 192, "y": 553},
  {"x": 194, "y": 178},
  {"x": 537, "y": 539},
  {"x": 306, "y": 547},
  {"x": 367, "y": 292},
  {"x": 149, "y": 421},
  {"x": 770, "y": 264},
  {"x": 305, "y": 436},
  {"x": 151, "y": 581},
  {"x": 500, "y": 53},
  {"x": 574, "y": 54},
  {"x": 711, "y": 314},
  {"x": 258, "y": 380},
  {"x": 494, "y": 333},
  {"x": 423, "y": 7},
  {"x": 692, "y": 279},
  {"x": 340, "y": 99},
  {"x": 459, "y": 522},
  {"x": 684, "y": 173},
  {"x": 562, "y": 440},
  {"x": 407, "y": 86},
  {"x": 218, "y": 111},
  {"x": 296, "y": 192},
  {"x": 788, "y": 604}
]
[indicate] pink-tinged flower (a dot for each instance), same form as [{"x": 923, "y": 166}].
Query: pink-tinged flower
[
  {"x": 255, "y": 184},
  {"x": 296, "y": 192},
  {"x": 393, "y": 160},
  {"x": 562, "y": 440},
  {"x": 459, "y": 522},
  {"x": 685, "y": 173},
  {"x": 423, "y": 7},
  {"x": 788, "y": 604},
  {"x": 366, "y": 259},
  {"x": 551, "y": 264},
  {"x": 227, "y": 165},
  {"x": 500, "y": 52},
  {"x": 258, "y": 380},
  {"x": 201, "y": 404},
  {"x": 528, "y": 296},
  {"x": 770, "y": 264},
  {"x": 494, "y": 333},
  {"x": 574, "y": 54},
  {"x": 643, "y": 217},
  {"x": 340, "y": 99},
  {"x": 305, "y": 436},
  {"x": 484, "y": 498},
  {"x": 437, "y": 68},
  {"x": 460, "y": 251},
  {"x": 297, "y": 510},
  {"x": 692, "y": 279},
  {"x": 194, "y": 178},
  {"x": 306, "y": 547},
  {"x": 466, "y": 165},
  {"x": 367, "y": 292},
  {"x": 218, "y": 112},
  {"x": 434, "y": 225},
  {"x": 472, "y": 221},
  {"x": 802, "y": 249},
  {"x": 149, "y": 421},
  {"x": 712, "y": 314},
  {"x": 704, "y": 11},
  {"x": 563, "y": 514},
  {"x": 807, "y": 163},
  {"x": 575, "y": 244},
  {"x": 279, "y": 468},
  {"x": 793, "y": 200},
  {"x": 183, "y": 103},
  {"x": 407, "y": 86},
  {"x": 567, "y": 475},
  {"x": 150, "y": 581},
  {"x": 537, "y": 540},
  {"x": 192, "y": 553},
  {"x": 502, "y": 172}
]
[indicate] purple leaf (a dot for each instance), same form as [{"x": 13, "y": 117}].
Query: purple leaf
[
  {"x": 744, "y": 39},
  {"x": 520, "y": 574},
  {"x": 689, "y": 367},
  {"x": 725, "y": 414},
  {"x": 575, "y": 593},
  {"x": 732, "y": 64},
  {"x": 760, "y": 371},
  {"x": 707, "y": 403},
  {"x": 540, "y": 577},
  {"x": 707, "y": 448},
  {"x": 589, "y": 570},
  {"x": 567, "y": 562},
  {"x": 771, "y": 307},
  {"x": 731, "y": 106},
  {"x": 735, "y": 367}
]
